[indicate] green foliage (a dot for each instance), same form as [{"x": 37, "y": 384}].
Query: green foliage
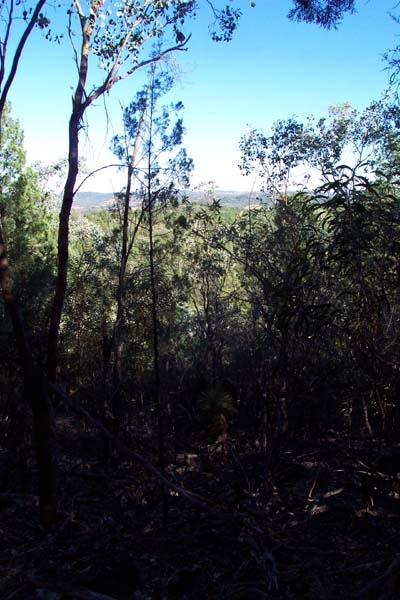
[
  {"x": 296, "y": 155},
  {"x": 296, "y": 305},
  {"x": 26, "y": 221},
  {"x": 12, "y": 154},
  {"x": 213, "y": 402}
]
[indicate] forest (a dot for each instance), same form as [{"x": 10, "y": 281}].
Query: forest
[{"x": 198, "y": 399}]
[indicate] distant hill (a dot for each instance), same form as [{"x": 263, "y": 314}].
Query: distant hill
[
  {"x": 227, "y": 197},
  {"x": 89, "y": 201}
]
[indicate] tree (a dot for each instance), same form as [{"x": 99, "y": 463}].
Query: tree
[
  {"x": 25, "y": 218},
  {"x": 22, "y": 223},
  {"x": 127, "y": 147},
  {"x": 166, "y": 169},
  {"x": 121, "y": 38},
  {"x": 301, "y": 155},
  {"x": 362, "y": 222},
  {"x": 274, "y": 157}
]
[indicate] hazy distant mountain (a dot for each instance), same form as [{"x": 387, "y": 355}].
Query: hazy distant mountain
[
  {"x": 88, "y": 201},
  {"x": 227, "y": 198}
]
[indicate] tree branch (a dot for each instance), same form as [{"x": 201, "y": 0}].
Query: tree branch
[
  {"x": 3, "y": 46},
  {"x": 18, "y": 53},
  {"x": 96, "y": 171},
  {"x": 109, "y": 82}
]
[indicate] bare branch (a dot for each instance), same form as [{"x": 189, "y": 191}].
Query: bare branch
[
  {"x": 70, "y": 35},
  {"x": 109, "y": 82},
  {"x": 18, "y": 53},
  {"x": 4, "y": 44},
  {"x": 96, "y": 171}
]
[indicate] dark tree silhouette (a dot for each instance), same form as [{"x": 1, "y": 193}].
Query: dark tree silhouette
[{"x": 326, "y": 13}]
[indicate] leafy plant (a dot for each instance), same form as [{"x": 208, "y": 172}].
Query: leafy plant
[{"x": 215, "y": 401}]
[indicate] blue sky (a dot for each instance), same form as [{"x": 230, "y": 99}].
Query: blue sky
[{"x": 272, "y": 69}]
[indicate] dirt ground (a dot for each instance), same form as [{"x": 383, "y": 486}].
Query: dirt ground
[{"x": 323, "y": 525}]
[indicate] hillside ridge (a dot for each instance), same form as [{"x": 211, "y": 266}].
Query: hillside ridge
[{"x": 87, "y": 201}]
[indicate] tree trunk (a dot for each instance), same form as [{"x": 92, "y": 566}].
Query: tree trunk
[
  {"x": 126, "y": 248},
  {"x": 156, "y": 357},
  {"x": 120, "y": 321},
  {"x": 63, "y": 245}
]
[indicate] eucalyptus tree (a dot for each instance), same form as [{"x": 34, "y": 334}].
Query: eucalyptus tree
[{"x": 300, "y": 155}]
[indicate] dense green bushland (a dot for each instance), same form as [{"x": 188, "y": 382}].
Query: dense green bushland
[{"x": 286, "y": 316}]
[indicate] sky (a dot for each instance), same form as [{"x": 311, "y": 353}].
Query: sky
[{"x": 272, "y": 69}]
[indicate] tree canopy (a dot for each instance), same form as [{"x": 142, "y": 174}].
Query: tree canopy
[{"x": 326, "y": 13}]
